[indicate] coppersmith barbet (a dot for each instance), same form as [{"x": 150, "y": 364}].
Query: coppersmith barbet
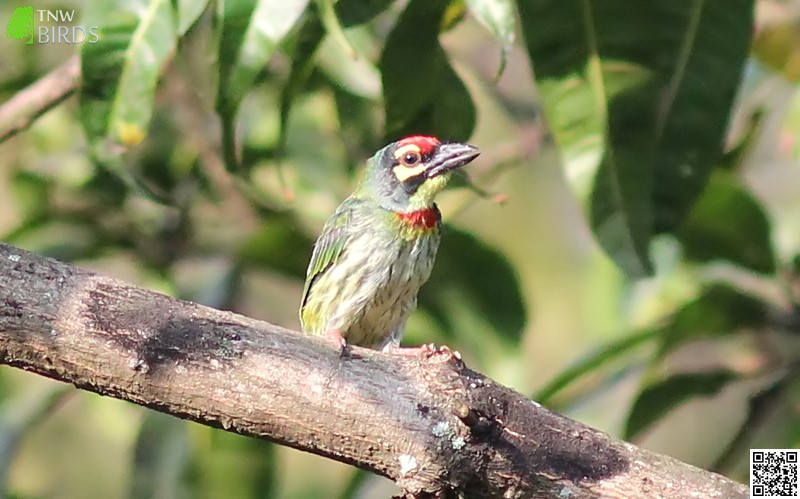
[{"x": 379, "y": 246}]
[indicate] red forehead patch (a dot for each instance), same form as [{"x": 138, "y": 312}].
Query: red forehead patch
[{"x": 426, "y": 144}]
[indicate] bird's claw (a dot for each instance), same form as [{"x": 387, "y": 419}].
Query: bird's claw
[
  {"x": 335, "y": 337},
  {"x": 426, "y": 350},
  {"x": 445, "y": 351}
]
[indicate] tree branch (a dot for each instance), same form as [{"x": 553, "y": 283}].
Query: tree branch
[
  {"x": 431, "y": 424},
  {"x": 21, "y": 110}
]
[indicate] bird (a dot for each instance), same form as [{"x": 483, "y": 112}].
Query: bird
[{"x": 379, "y": 246}]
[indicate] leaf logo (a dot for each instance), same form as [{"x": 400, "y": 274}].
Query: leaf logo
[{"x": 20, "y": 26}]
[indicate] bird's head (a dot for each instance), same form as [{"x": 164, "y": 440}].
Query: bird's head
[{"x": 406, "y": 175}]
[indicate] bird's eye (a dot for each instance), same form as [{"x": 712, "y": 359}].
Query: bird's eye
[{"x": 410, "y": 159}]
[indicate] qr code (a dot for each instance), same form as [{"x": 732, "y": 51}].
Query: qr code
[{"x": 773, "y": 473}]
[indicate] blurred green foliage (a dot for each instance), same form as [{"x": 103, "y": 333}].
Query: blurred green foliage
[{"x": 642, "y": 275}]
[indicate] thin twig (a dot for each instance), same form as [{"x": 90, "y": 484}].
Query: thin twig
[{"x": 18, "y": 113}]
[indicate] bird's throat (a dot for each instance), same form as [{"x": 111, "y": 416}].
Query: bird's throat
[{"x": 427, "y": 218}]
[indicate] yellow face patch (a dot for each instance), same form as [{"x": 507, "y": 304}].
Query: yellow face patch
[
  {"x": 407, "y": 169},
  {"x": 404, "y": 173}
]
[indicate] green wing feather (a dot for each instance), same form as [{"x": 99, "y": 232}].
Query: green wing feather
[{"x": 329, "y": 246}]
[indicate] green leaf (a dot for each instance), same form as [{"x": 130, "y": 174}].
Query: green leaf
[
  {"x": 32, "y": 194},
  {"x": 62, "y": 240},
  {"x": 121, "y": 70},
  {"x": 776, "y": 47},
  {"x": 498, "y": 17},
  {"x": 355, "y": 484},
  {"x": 230, "y": 465},
  {"x": 736, "y": 157},
  {"x": 354, "y": 12},
  {"x": 646, "y": 87},
  {"x": 359, "y": 75},
  {"x": 333, "y": 26},
  {"x": 720, "y": 309},
  {"x": 592, "y": 363},
  {"x": 251, "y": 33},
  {"x": 161, "y": 456},
  {"x": 422, "y": 92},
  {"x": 621, "y": 214},
  {"x": 471, "y": 276},
  {"x": 760, "y": 416},
  {"x": 157, "y": 161},
  {"x": 350, "y": 13},
  {"x": 189, "y": 11},
  {"x": 696, "y": 102},
  {"x": 658, "y": 399},
  {"x": 303, "y": 54},
  {"x": 21, "y": 413},
  {"x": 727, "y": 223},
  {"x": 279, "y": 245},
  {"x": 360, "y": 124}
]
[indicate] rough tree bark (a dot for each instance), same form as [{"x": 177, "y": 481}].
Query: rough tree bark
[{"x": 431, "y": 424}]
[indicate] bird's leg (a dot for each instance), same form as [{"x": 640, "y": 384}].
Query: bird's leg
[{"x": 335, "y": 337}]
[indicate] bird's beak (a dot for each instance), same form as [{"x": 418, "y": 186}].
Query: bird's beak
[{"x": 449, "y": 157}]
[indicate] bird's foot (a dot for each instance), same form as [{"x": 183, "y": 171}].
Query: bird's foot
[
  {"x": 426, "y": 350},
  {"x": 335, "y": 337}
]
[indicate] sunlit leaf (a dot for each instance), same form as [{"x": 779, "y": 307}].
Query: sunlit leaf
[
  {"x": 728, "y": 223},
  {"x": 120, "y": 71},
  {"x": 309, "y": 38},
  {"x": 359, "y": 75},
  {"x": 658, "y": 399},
  {"x": 422, "y": 92},
  {"x": 454, "y": 13},
  {"x": 251, "y": 34},
  {"x": 188, "y": 13},
  {"x": 333, "y": 27},
  {"x": 498, "y": 17},
  {"x": 647, "y": 88}
]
